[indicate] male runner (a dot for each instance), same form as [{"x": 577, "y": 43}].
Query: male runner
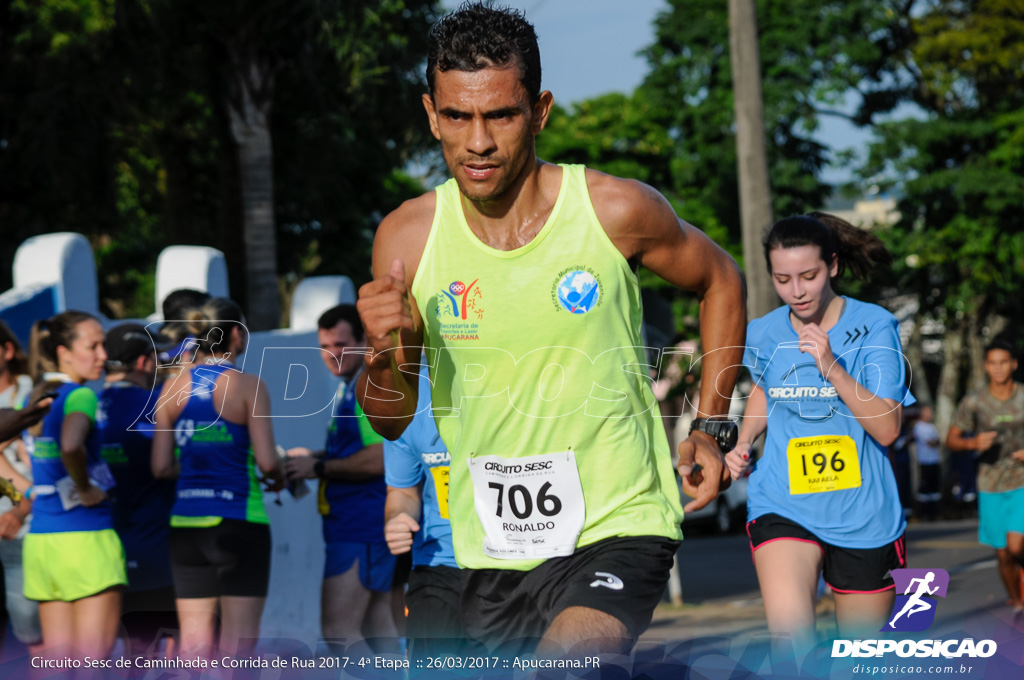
[
  {"x": 358, "y": 570},
  {"x": 520, "y": 278},
  {"x": 142, "y": 505},
  {"x": 416, "y": 468},
  {"x": 996, "y": 414}
]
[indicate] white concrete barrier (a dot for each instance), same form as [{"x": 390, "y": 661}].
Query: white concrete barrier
[
  {"x": 197, "y": 267},
  {"x": 316, "y": 294},
  {"x": 63, "y": 260}
]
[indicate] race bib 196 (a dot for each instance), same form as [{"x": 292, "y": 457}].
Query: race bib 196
[
  {"x": 822, "y": 463},
  {"x": 529, "y": 507}
]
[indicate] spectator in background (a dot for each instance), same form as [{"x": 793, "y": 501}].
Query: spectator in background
[
  {"x": 142, "y": 505},
  {"x": 16, "y": 518},
  {"x": 929, "y": 464},
  {"x": 359, "y": 569},
  {"x": 899, "y": 457},
  {"x": 80, "y": 598},
  {"x": 217, "y": 418},
  {"x": 996, "y": 414}
]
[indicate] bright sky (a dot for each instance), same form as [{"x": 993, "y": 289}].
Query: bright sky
[{"x": 589, "y": 47}]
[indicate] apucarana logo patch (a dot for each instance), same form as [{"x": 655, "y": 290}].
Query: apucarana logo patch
[
  {"x": 461, "y": 301},
  {"x": 577, "y": 290},
  {"x": 460, "y": 310},
  {"x": 914, "y": 611}
]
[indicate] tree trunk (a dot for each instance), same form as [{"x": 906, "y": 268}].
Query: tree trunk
[
  {"x": 751, "y": 157},
  {"x": 919, "y": 380},
  {"x": 249, "y": 109},
  {"x": 975, "y": 345},
  {"x": 949, "y": 377}
]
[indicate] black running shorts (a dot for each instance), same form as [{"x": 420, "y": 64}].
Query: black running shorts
[
  {"x": 232, "y": 558},
  {"x": 846, "y": 570},
  {"x": 623, "y": 577}
]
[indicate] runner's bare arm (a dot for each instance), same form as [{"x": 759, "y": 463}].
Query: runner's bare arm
[
  {"x": 361, "y": 465},
  {"x": 401, "y": 517},
  {"x": 755, "y": 422},
  {"x": 73, "y": 454},
  {"x": 646, "y": 230},
  {"x": 13, "y": 421},
  {"x": 364, "y": 464},
  {"x": 956, "y": 441},
  {"x": 261, "y": 433},
  {"x": 391, "y": 319},
  {"x": 162, "y": 460},
  {"x": 881, "y": 418}
]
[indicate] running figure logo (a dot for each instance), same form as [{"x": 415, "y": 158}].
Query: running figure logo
[{"x": 915, "y": 611}]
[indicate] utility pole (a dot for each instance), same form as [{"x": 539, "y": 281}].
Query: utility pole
[{"x": 751, "y": 157}]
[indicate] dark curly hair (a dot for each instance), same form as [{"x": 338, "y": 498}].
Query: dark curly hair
[{"x": 476, "y": 36}]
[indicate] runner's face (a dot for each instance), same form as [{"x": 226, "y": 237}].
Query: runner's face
[
  {"x": 336, "y": 340},
  {"x": 999, "y": 366},
  {"x": 802, "y": 280},
  {"x": 486, "y": 126},
  {"x": 84, "y": 359}
]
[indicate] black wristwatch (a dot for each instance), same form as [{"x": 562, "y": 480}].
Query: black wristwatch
[
  {"x": 318, "y": 469},
  {"x": 725, "y": 432}
]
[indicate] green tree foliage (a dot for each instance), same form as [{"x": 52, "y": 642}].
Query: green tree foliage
[
  {"x": 959, "y": 168},
  {"x": 677, "y": 132},
  {"x": 815, "y": 54},
  {"x": 114, "y": 123}
]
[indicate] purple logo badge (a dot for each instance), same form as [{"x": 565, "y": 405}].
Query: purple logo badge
[{"x": 914, "y": 610}]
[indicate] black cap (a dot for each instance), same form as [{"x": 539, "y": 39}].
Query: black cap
[{"x": 129, "y": 341}]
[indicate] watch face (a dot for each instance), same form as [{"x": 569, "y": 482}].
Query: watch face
[{"x": 726, "y": 433}]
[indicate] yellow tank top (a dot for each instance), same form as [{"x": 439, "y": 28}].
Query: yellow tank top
[{"x": 537, "y": 363}]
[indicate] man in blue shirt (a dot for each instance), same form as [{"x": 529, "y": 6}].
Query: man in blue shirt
[{"x": 359, "y": 569}]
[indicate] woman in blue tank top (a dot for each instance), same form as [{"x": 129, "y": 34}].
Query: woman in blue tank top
[
  {"x": 218, "y": 419},
  {"x": 829, "y": 386},
  {"x": 73, "y": 559}
]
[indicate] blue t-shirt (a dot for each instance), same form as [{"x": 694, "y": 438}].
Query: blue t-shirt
[
  {"x": 352, "y": 510},
  {"x": 813, "y": 441},
  {"x": 218, "y": 470},
  {"x": 419, "y": 456},
  {"x": 48, "y": 471},
  {"x": 142, "y": 504}
]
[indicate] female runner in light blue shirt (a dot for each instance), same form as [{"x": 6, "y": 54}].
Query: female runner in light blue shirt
[{"x": 830, "y": 384}]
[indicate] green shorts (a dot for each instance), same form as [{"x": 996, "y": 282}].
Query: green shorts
[{"x": 70, "y": 565}]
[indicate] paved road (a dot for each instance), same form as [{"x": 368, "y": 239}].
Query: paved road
[{"x": 721, "y": 595}]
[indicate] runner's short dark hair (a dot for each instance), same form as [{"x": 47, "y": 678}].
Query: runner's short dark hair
[
  {"x": 1004, "y": 345},
  {"x": 476, "y": 36}
]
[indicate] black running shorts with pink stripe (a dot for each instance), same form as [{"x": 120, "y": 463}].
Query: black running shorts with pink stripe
[{"x": 846, "y": 570}]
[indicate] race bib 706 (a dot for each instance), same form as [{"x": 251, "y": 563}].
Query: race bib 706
[{"x": 530, "y": 507}]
